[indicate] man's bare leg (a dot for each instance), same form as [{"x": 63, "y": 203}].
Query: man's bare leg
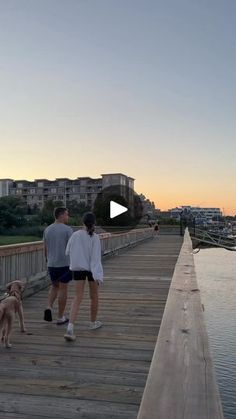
[
  {"x": 62, "y": 299},
  {"x": 52, "y": 294}
]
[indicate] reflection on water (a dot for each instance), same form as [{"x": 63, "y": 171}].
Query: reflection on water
[{"x": 216, "y": 276}]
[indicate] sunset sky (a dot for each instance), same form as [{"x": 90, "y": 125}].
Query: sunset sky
[{"x": 145, "y": 88}]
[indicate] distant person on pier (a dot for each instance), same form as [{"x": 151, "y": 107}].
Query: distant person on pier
[
  {"x": 156, "y": 229},
  {"x": 84, "y": 250},
  {"x": 55, "y": 239}
]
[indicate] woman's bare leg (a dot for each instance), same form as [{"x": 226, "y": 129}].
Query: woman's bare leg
[
  {"x": 93, "y": 291},
  {"x": 79, "y": 292}
]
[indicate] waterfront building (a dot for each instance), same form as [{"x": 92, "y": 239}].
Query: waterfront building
[{"x": 200, "y": 215}]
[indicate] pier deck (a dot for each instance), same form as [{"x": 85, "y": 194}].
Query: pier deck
[{"x": 103, "y": 374}]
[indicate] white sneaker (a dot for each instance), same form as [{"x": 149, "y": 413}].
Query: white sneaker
[
  {"x": 95, "y": 325},
  {"x": 61, "y": 321},
  {"x": 69, "y": 336}
]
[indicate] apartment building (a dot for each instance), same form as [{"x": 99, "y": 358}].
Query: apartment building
[{"x": 82, "y": 189}]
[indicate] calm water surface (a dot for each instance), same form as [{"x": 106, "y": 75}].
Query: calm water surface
[{"x": 216, "y": 276}]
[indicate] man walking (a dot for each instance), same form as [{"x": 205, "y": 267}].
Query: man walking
[{"x": 55, "y": 240}]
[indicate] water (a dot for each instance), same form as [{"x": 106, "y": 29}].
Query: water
[{"x": 216, "y": 276}]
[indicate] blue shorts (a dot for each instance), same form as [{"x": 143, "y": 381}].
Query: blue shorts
[{"x": 62, "y": 274}]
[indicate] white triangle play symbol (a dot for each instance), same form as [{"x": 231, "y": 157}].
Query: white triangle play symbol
[{"x": 116, "y": 209}]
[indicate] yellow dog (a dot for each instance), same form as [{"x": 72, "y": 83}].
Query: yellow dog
[{"x": 9, "y": 306}]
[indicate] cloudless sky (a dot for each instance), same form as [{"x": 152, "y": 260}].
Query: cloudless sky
[{"x": 146, "y": 88}]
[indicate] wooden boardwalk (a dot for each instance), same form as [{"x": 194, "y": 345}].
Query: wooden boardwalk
[{"x": 102, "y": 375}]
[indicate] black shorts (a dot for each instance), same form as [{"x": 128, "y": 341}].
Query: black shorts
[
  {"x": 82, "y": 275},
  {"x": 61, "y": 274}
]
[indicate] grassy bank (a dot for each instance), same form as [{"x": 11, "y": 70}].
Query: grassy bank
[{"x": 5, "y": 240}]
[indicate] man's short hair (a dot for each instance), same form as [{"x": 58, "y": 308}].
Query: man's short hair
[{"x": 59, "y": 211}]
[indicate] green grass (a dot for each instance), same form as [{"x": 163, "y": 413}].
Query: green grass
[{"x": 4, "y": 240}]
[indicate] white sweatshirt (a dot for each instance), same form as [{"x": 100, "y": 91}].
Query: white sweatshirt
[{"x": 84, "y": 252}]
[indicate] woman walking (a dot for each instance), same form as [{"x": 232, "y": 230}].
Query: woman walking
[{"x": 84, "y": 251}]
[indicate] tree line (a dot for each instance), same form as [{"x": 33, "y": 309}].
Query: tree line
[{"x": 15, "y": 213}]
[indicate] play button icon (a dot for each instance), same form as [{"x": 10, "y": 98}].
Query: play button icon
[{"x": 116, "y": 209}]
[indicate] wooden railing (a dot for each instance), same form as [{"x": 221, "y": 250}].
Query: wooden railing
[
  {"x": 181, "y": 383},
  {"x": 27, "y": 262}
]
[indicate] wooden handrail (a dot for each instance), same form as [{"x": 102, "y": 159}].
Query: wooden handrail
[
  {"x": 13, "y": 249},
  {"x": 181, "y": 383}
]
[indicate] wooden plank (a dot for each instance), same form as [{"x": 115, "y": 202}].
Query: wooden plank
[
  {"x": 22, "y": 416},
  {"x": 64, "y": 408},
  {"x": 83, "y": 376},
  {"x": 182, "y": 380},
  {"x": 36, "y": 361},
  {"x": 77, "y": 388}
]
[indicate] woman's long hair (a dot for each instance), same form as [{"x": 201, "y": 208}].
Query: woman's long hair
[{"x": 89, "y": 222}]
